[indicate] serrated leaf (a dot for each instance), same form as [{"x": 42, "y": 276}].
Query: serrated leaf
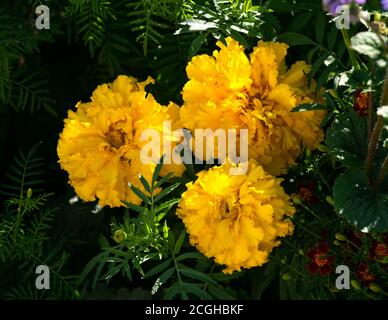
[
  {"x": 197, "y": 44},
  {"x": 165, "y": 206},
  {"x": 179, "y": 242},
  {"x": 359, "y": 204},
  {"x": 172, "y": 291},
  {"x": 196, "y": 290},
  {"x": 133, "y": 206},
  {"x": 157, "y": 170},
  {"x": 140, "y": 194},
  {"x": 159, "y": 268},
  {"x": 347, "y": 139},
  {"x": 220, "y": 293},
  {"x": 368, "y": 43},
  {"x": 194, "y": 274},
  {"x": 145, "y": 183},
  {"x": 189, "y": 255},
  {"x": 163, "y": 180},
  {"x": 165, "y": 192},
  {"x": 165, "y": 276}
]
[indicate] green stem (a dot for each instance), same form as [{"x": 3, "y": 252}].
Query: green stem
[
  {"x": 383, "y": 172},
  {"x": 311, "y": 211},
  {"x": 353, "y": 57},
  {"x": 176, "y": 268},
  {"x": 372, "y": 147},
  {"x": 370, "y": 114},
  {"x": 384, "y": 96}
]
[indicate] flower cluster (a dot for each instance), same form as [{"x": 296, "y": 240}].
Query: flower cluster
[
  {"x": 231, "y": 91},
  {"x": 100, "y": 144},
  {"x": 236, "y": 219}
]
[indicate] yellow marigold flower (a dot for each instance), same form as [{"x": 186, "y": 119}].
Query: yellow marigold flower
[
  {"x": 100, "y": 143},
  {"x": 237, "y": 219},
  {"x": 230, "y": 90}
]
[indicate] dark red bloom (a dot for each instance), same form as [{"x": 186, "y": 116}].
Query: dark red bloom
[
  {"x": 320, "y": 260},
  {"x": 379, "y": 250},
  {"x": 306, "y": 192},
  {"x": 361, "y": 104},
  {"x": 364, "y": 275}
]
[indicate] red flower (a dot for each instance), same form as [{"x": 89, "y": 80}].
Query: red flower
[
  {"x": 364, "y": 275},
  {"x": 320, "y": 261},
  {"x": 379, "y": 251},
  {"x": 362, "y": 103},
  {"x": 306, "y": 192}
]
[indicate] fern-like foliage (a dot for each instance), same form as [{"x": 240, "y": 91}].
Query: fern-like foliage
[
  {"x": 90, "y": 17},
  {"x": 25, "y": 233},
  {"x": 147, "y": 237},
  {"x": 239, "y": 19},
  {"x": 150, "y": 17},
  {"x": 20, "y": 87},
  {"x": 24, "y": 174},
  {"x": 138, "y": 239}
]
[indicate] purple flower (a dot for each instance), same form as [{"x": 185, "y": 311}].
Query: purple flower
[
  {"x": 384, "y": 4},
  {"x": 332, "y": 5}
]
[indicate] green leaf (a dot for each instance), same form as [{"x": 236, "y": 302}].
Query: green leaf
[
  {"x": 145, "y": 183},
  {"x": 332, "y": 37},
  {"x": 165, "y": 206},
  {"x": 197, "y": 44},
  {"x": 133, "y": 206},
  {"x": 166, "y": 275},
  {"x": 91, "y": 265},
  {"x": 309, "y": 107},
  {"x": 179, "y": 242},
  {"x": 368, "y": 43},
  {"x": 320, "y": 27},
  {"x": 139, "y": 193},
  {"x": 165, "y": 192},
  {"x": 159, "y": 268},
  {"x": 359, "y": 204},
  {"x": 172, "y": 291},
  {"x": 163, "y": 180},
  {"x": 189, "y": 255},
  {"x": 347, "y": 139},
  {"x": 295, "y": 39},
  {"x": 158, "y": 168},
  {"x": 220, "y": 293},
  {"x": 300, "y": 21},
  {"x": 195, "y": 289},
  {"x": 238, "y": 37},
  {"x": 194, "y": 274}
]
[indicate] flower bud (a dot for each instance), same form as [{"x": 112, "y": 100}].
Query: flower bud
[
  {"x": 330, "y": 200},
  {"x": 286, "y": 277},
  {"x": 119, "y": 236},
  {"x": 297, "y": 200},
  {"x": 336, "y": 243},
  {"x": 29, "y": 193},
  {"x": 355, "y": 285},
  {"x": 375, "y": 288},
  {"x": 340, "y": 237}
]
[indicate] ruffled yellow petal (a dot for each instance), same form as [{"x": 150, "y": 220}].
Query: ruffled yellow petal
[{"x": 236, "y": 219}]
